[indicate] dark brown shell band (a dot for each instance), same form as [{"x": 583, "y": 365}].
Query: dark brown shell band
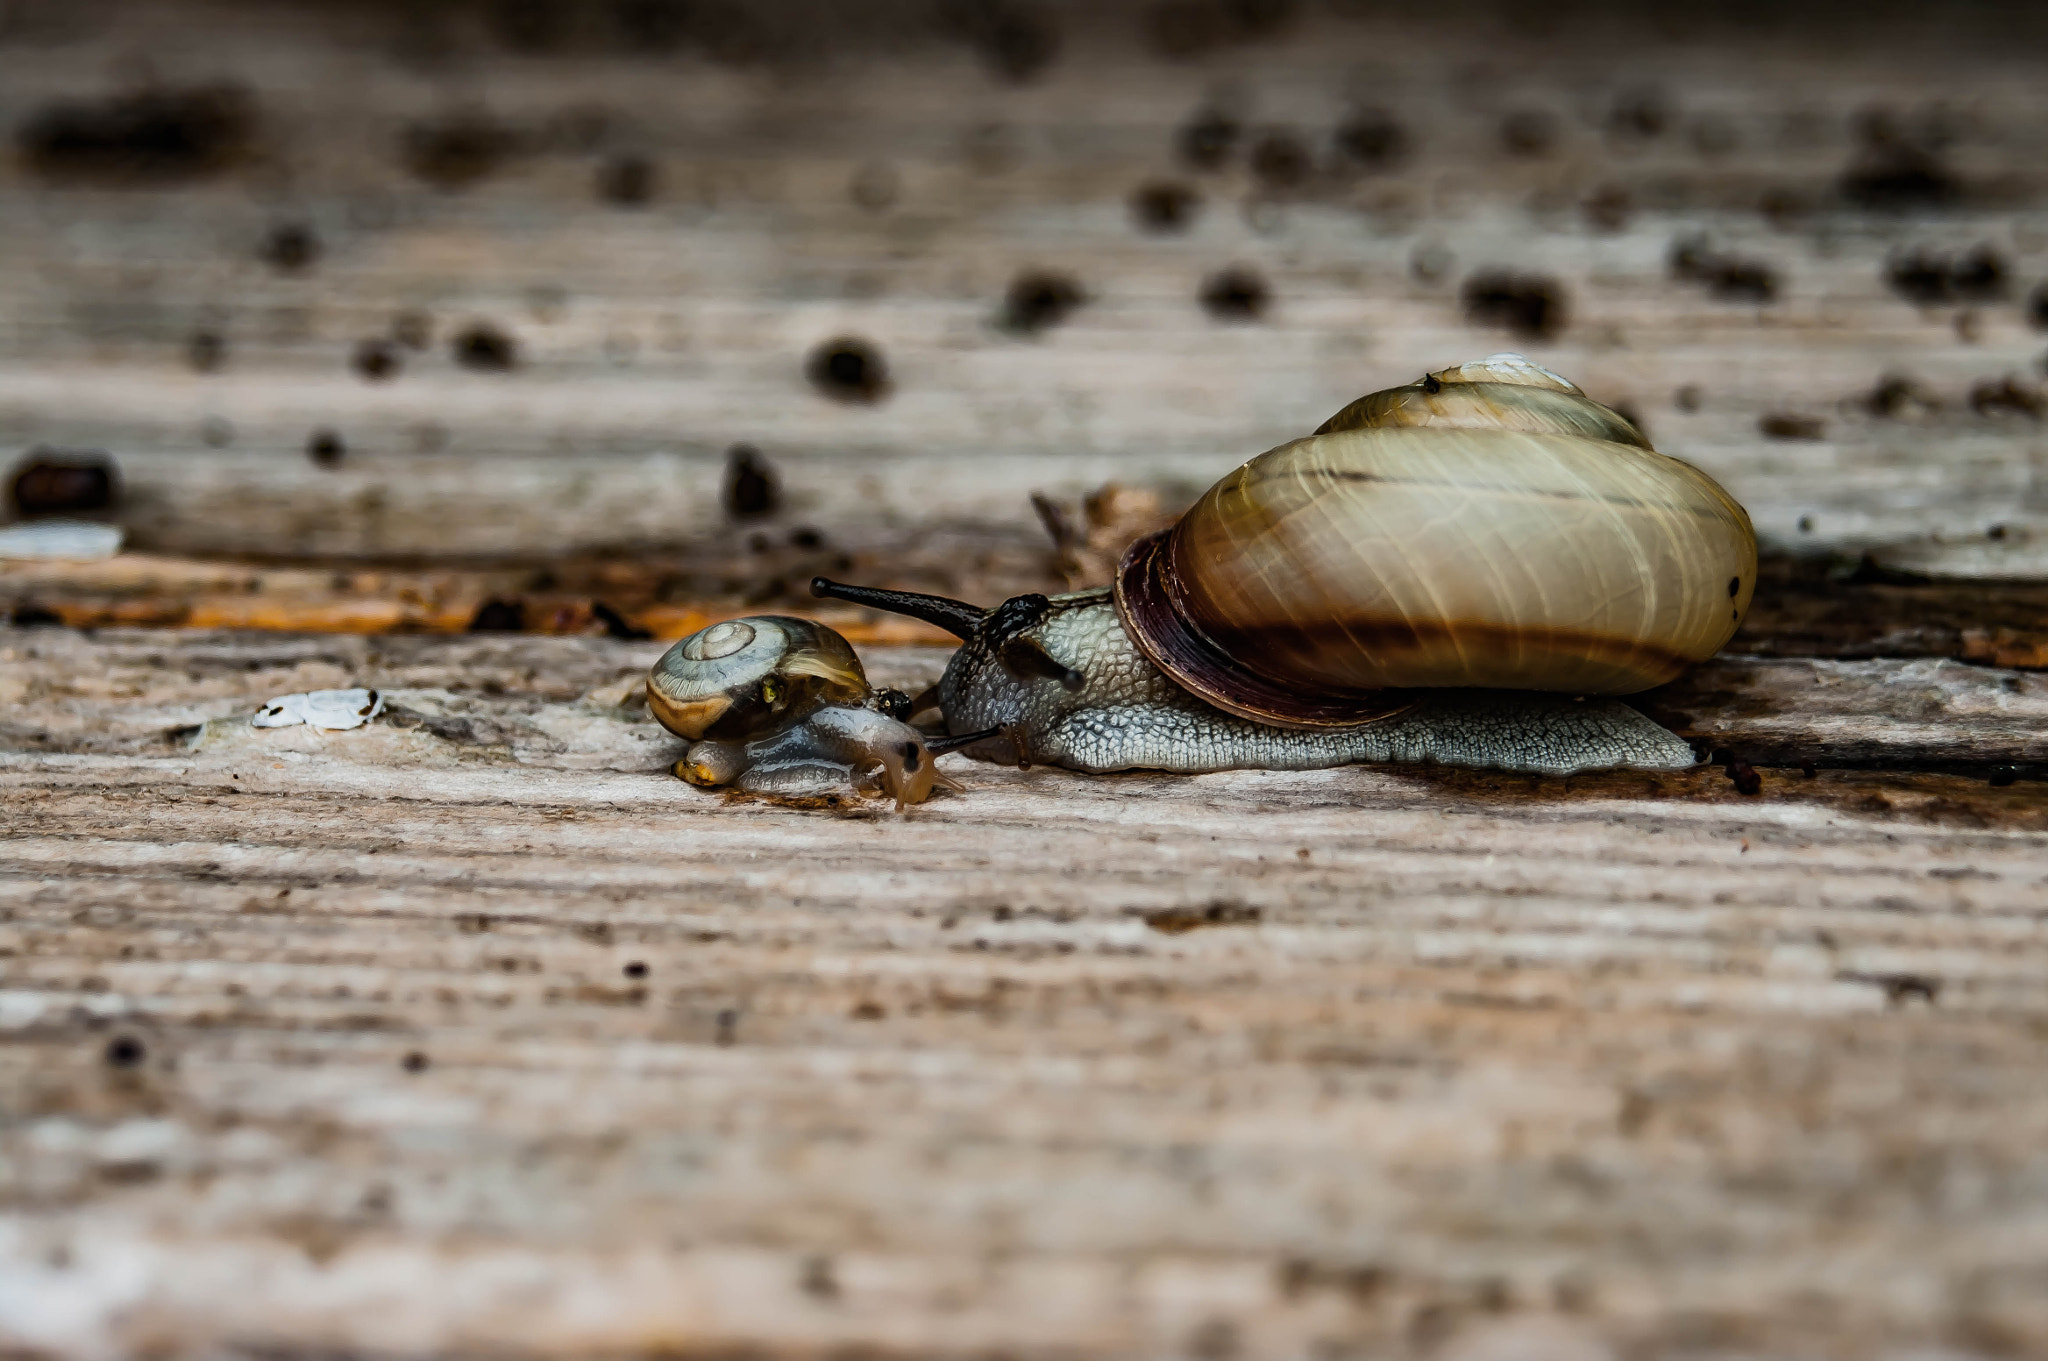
[{"x": 1150, "y": 604}]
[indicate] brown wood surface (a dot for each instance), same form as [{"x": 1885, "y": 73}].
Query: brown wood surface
[{"x": 473, "y": 1032}]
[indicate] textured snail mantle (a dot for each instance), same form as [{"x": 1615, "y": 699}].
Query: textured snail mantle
[{"x": 1458, "y": 570}]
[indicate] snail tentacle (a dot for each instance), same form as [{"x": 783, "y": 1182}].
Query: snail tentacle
[{"x": 956, "y": 617}]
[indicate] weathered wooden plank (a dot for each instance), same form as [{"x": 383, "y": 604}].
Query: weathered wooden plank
[{"x": 1380, "y": 1059}]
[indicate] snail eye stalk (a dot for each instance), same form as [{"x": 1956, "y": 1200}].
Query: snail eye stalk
[
  {"x": 939, "y": 746},
  {"x": 957, "y": 617}
]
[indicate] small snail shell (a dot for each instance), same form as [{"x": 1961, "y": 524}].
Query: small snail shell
[
  {"x": 743, "y": 677},
  {"x": 1488, "y": 527}
]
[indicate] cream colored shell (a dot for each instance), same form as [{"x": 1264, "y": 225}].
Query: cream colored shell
[{"x": 1500, "y": 542}]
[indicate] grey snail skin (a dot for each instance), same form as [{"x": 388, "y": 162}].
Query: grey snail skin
[
  {"x": 780, "y": 707},
  {"x": 1465, "y": 570}
]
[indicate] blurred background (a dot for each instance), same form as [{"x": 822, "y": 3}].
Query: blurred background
[{"x": 611, "y": 316}]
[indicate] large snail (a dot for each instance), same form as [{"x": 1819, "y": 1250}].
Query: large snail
[{"x": 1462, "y": 570}]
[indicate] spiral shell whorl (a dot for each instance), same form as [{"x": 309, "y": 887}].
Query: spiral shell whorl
[
  {"x": 1488, "y": 527},
  {"x": 739, "y": 677}
]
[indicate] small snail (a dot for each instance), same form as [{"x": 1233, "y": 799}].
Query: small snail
[
  {"x": 780, "y": 706},
  {"x": 1459, "y": 570}
]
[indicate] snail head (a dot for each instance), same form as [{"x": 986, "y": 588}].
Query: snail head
[
  {"x": 1016, "y": 661},
  {"x": 1008, "y": 634}
]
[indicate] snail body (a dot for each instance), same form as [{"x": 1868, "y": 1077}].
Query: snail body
[
  {"x": 832, "y": 749},
  {"x": 1465, "y": 569},
  {"x": 1129, "y": 715}
]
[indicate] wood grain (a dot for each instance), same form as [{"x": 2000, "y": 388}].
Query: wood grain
[
  {"x": 1382, "y": 1059},
  {"x": 473, "y": 1032}
]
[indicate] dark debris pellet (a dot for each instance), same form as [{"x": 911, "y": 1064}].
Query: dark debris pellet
[
  {"x": 1531, "y": 306},
  {"x": 1728, "y": 278},
  {"x": 1742, "y": 775},
  {"x": 1787, "y": 425},
  {"x": 635, "y": 968},
  {"x": 206, "y": 351},
  {"x": 1929, "y": 278},
  {"x": 485, "y": 348},
  {"x": 1208, "y": 139},
  {"x": 498, "y": 616},
  {"x": 1897, "y": 170},
  {"x": 1164, "y": 206},
  {"x": 375, "y": 360},
  {"x": 752, "y": 488},
  {"x": 1280, "y": 160},
  {"x": 1981, "y": 275},
  {"x": 1039, "y": 299},
  {"x": 125, "y": 1051},
  {"x": 1897, "y": 397},
  {"x": 1016, "y": 41},
  {"x": 626, "y": 181},
  {"x": 291, "y": 247},
  {"x": 616, "y": 625},
  {"x": 325, "y": 448},
  {"x": 1371, "y": 138},
  {"x": 1236, "y": 294},
  {"x": 151, "y": 136},
  {"x": 457, "y": 151},
  {"x": 64, "y": 482},
  {"x": 1735, "y": 280},
  {"x": 26, "y": 614},
  {"x": 1640, "y": 114},
  {"x": 2005, "y": 397},
  {"x": 415, "y": 1062},
  {"x": 848, "y": 369}
]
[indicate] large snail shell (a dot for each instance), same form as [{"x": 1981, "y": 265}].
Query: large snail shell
[
  {"x": 740, "y": 678},
  {"x": 1489, "y": 527}
]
